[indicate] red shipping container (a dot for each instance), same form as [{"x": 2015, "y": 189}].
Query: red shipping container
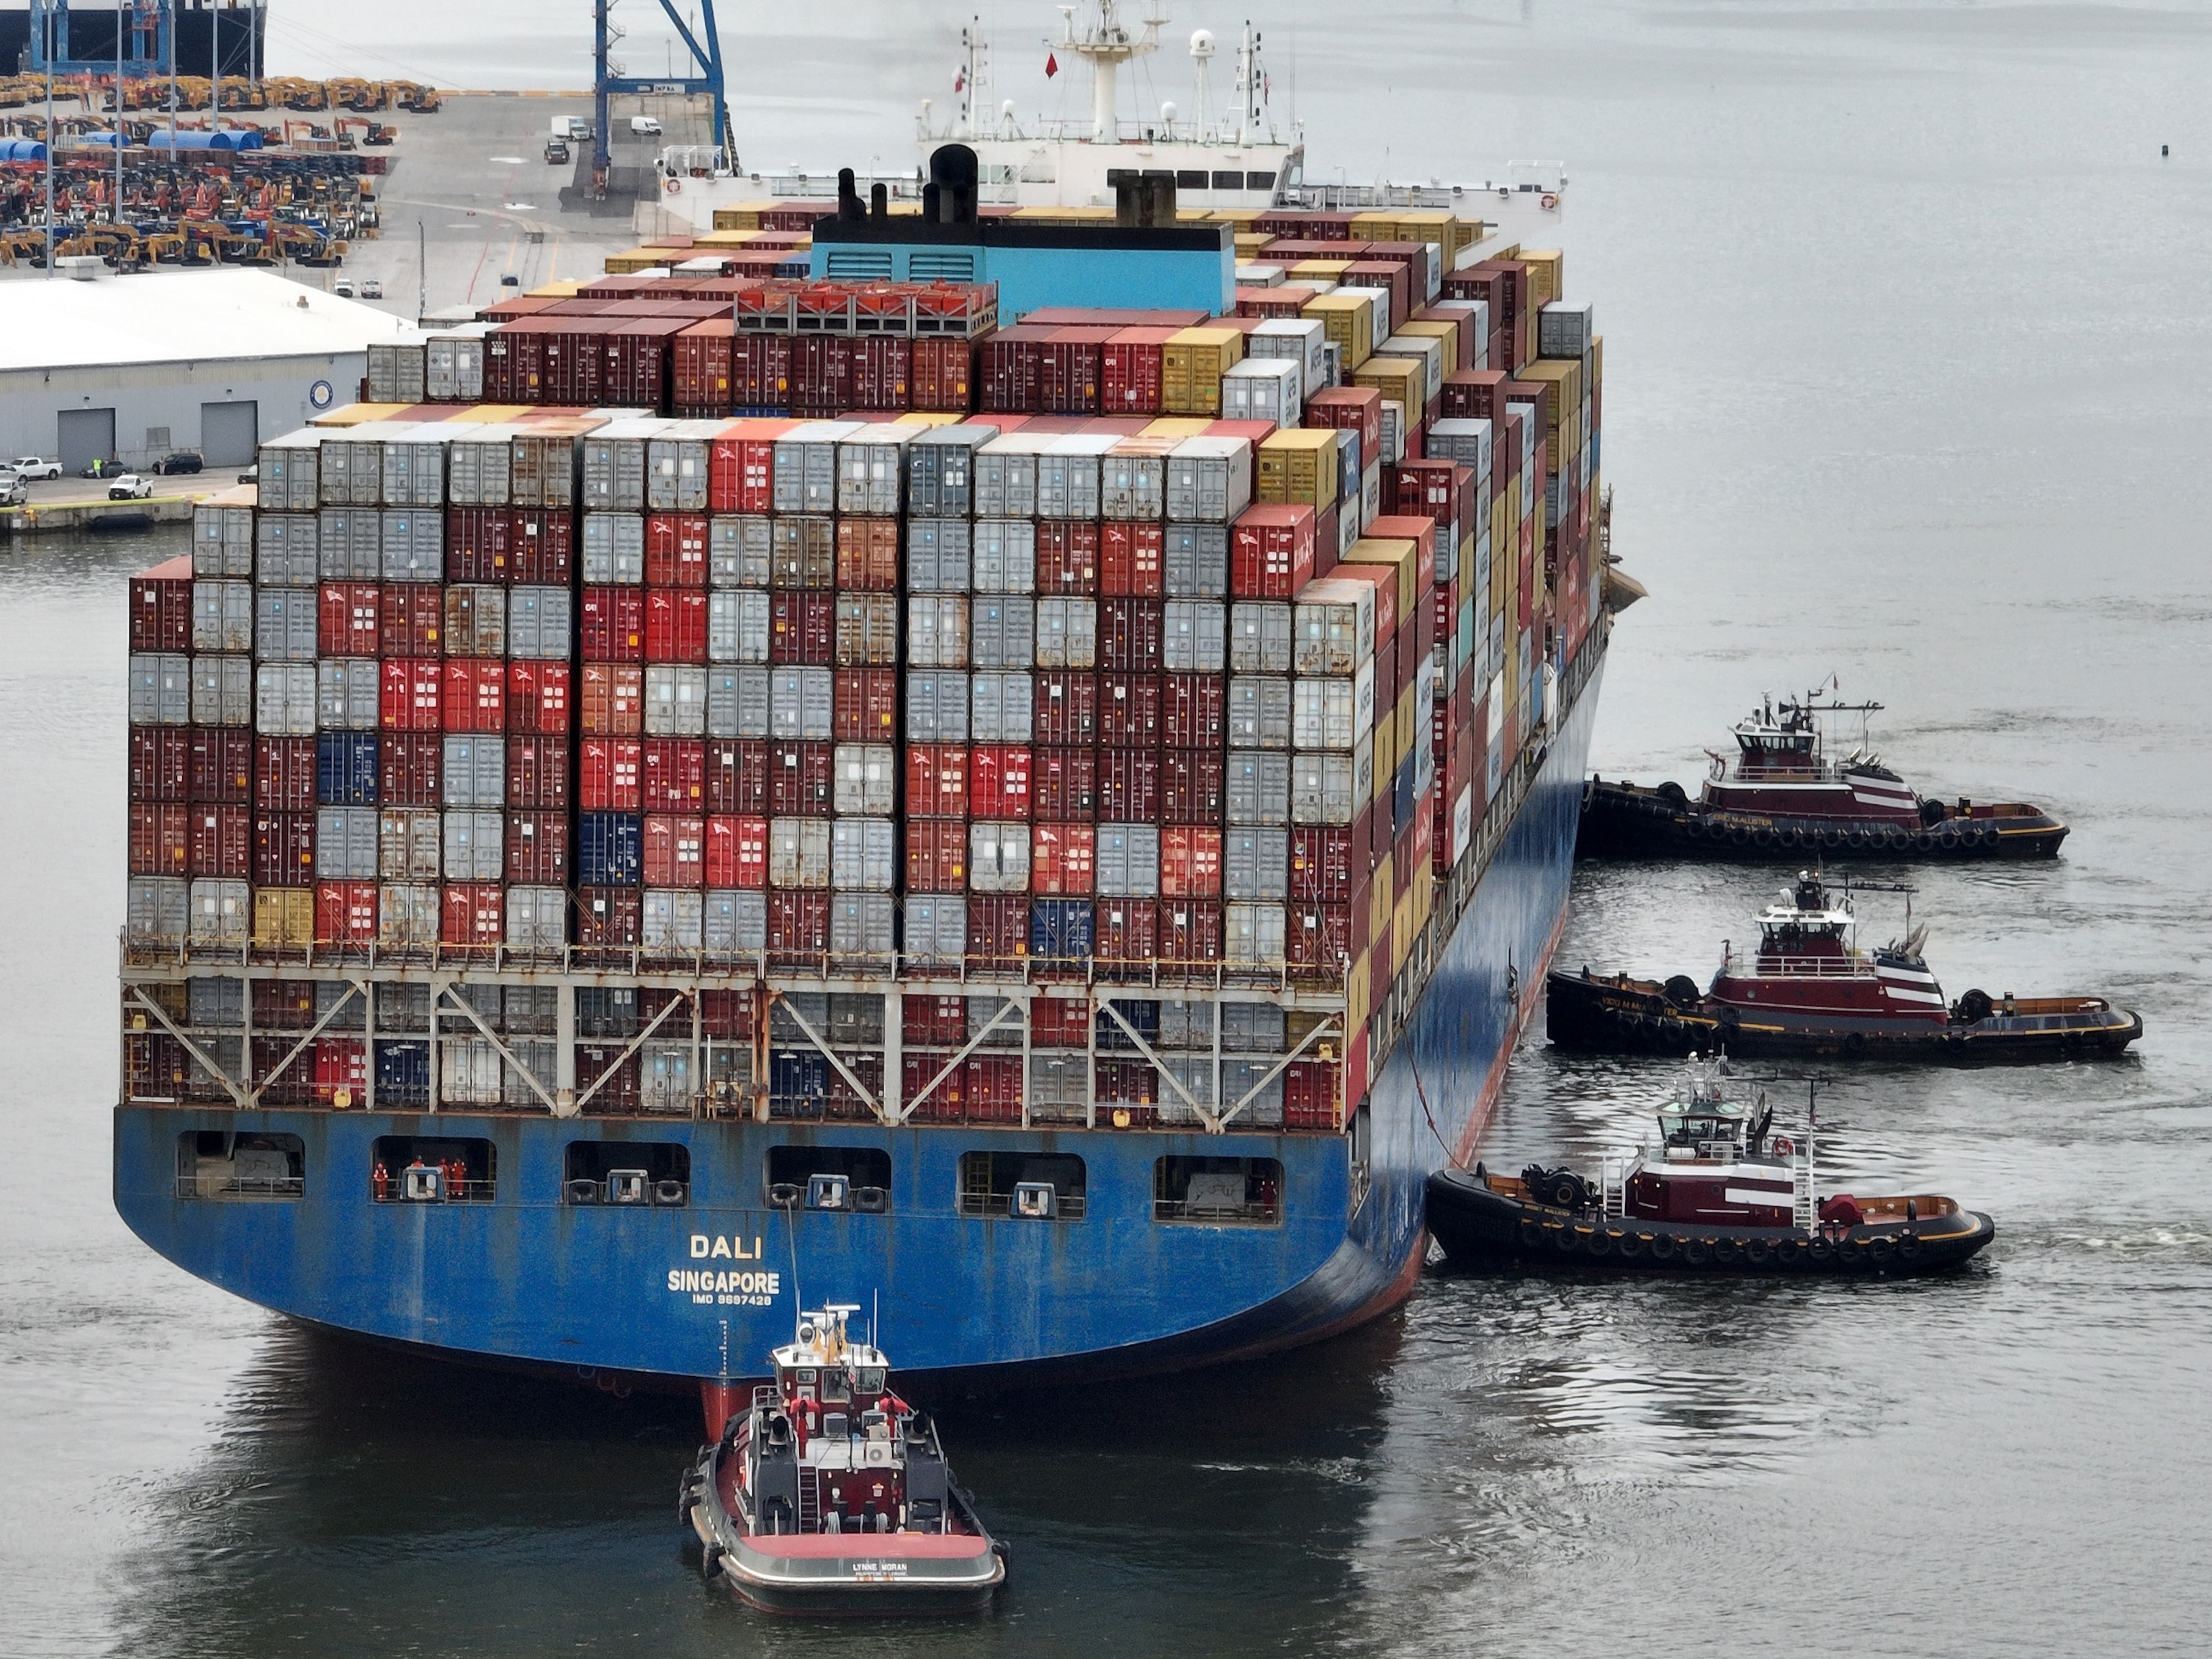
[
  {"x": 700, "y": 388},
  {"x": 737, "y": 776},
  {"x": 934, "y": 1092},
  {"x": 410, "y": 620},
  {"x": 611, "y": 775},
  {"x": 1351, "y": 408},
  {"x": 349, "y": 620},
  {"x": 935, "y": 1023},
  {"x": 936, "y": 855},
  {"x": 411, "y": 695},
  {"x": 1063, "y": 859},
  {"x": 543, "y": 547},
  {"x": 1066, "y": 709},
  {"x": 1012, "y": 370},
  {"x": 1128, "y": 785},
  {"x": 219, "y": 839},
  {"x": 341, "y": 1068},
  {"x": 1130, "y": 634},
  {"x": 880, "y": 374},
  {"x": 868, "y": 554},
  {"x": 537, "y": 696},
  {"x": 219, "y": 763},
  {"x": 1319, "y": 936},
  {"x": 798, "y": 928},
  {"x": 675, "y": 851},
  {"x": 610, "y": 918},
  {"x": 760, "y": 374},
  {"x": 999, "y": 781},
  {"x": 1129, "y": 709},
  {"x": 1190, "y": 862},
  {"x": 1194, "y": 710},
  {"x": 866, "y": 706},
  {"x": 641, "y": 356},
  {"x": 1419, "y": 528},
  {"x": 410, "y": 769},
  {"x": 159, "y": 762},
  {"x": 612, "y": 624},
  {"x": 345, "y": 913},
  {"x": 477, "y": 543},
  {"x": 1132, "y": 561},
  {"x": 676, "y": 549},
  {"x": 1060, "y": 1023},
  {"x": 1321, "y": 866},
  {"x": 1309, "y": 1095},
  {"x": 1065, "y": 782},
  {"x": 1475, "y": 394},
  {"x": 1270, "y": 552},
  {"x": 936, "y": 781},
  {"x": 675, "y": 775},
  {"x": 799, "y": 779},
  {"x": 473, "y": 915},
  {"x": 737, "y": 851},
  {"x": 1326, "y": 539},
  {"x": 727, "y": 1016},
  {"x": 1190, "y": 932},
  {"x": 1129, "y": 371},
  {"x": 1067, "y": 556},
  {"x": 160, "y": 841},
  {"x": 613, "y": 703},
  {"x": 675, "y": 625},
  {"x": 802, "y": 628},
  {"x": 944, "y": 375},
  {"x": 741, "y": 465},
  {"x": 1193, "y": 786},
  {"x": 1068, "y": 369},
  {"x": 537, "y": 848},
  {"x": 1131, "y": 1085},
  {"x": 537, "y": 773},
  {"x": 1129, "y": 935},
  {"x": 998, "y": 929},
  {"x": 161, "y": 606},
  {"x": 476, "y": 695},
  {"x": 285, "y": 774},
  {"x": 995, "y": 1088}
]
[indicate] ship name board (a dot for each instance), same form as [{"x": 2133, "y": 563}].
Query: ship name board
[{"x": 725, "y": 1287}]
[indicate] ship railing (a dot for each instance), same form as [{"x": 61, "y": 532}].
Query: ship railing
[
  {"x": 242, "y": 1187},
  {"x": 1256, "y": 1212},
  {"x": 1613, "y": 1171},
  {"x": 1066, "y": 1206},
  {"x": 1764, "y": 962}
]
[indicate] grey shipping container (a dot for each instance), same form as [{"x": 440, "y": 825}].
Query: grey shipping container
[
  {"x": 414, "y": 473},
  {"x": 471, "y": 1073},
  {"x": 536, "y": 917},
  {"x": 221, "y": 911},
  {"x": 998, "y": 858},
  {"x": 937, "y": 630},
  {"x": 540, "y": 623},
  {"x": 941, "y": 469},
  {"x": 937, "y": 706},
  {"x": 545, "y": 470},
  {"x": 414, "y": 544},
  {"x": 156, "y": 908},
  {"x": 222, "y": 541},
  {"x": 865, "y": 780},
  {"x": 676, "y": 474},
  {"x": 1197, "y": 561},
  {"x": 286, "y": 700},
  {"x": 161, "y": 688},
  {"x": 735, "y": 921},
  {"x": 407, "y": 915},
  {"x": 349, "y": 545},
  {"x": 1252, "y": 933},
  {"x": 740, "y": 550},
  {"x": 870, "y": 469},
  {"x": 1059, "y": 1086},
  {"x": 286, "y": 473},
  {"x": 345, "y": 843},
  {"x": 672, "y": 919},
  {"x": 284, "y": 624},
  {"x": 863, "y": 855},
  {"x": 351, "y": 469},
  {"x": 1324, "y": 713},
  {"x": 1128, "y": 860},
  {"x": 1258, "y": 789},
  {"x": 863, "y": 925},
  {"x": 213, "y": 1000},
  {"x": 676, "y": 701},
  {"x": 939, "y": 555},
  {"x": 1256, "y": 864},
  {"x": 1067, "y": 480},
  {"x": 479, "y": 472},
  {"x": 474, "y": 770},
  {"x": 737, "y": 702},
  {"x": 806, "y": 466},
  {"x": 222, "y": 616},
  {"x": 476, "y": 621},
  {"x": 1067, "y": 633},
  {"x": 1563, "y": 329},
  {"x": 801, "y": 703},
  {"x": 1002, "y": 631},
  {"x": 409, "y": 844},
  {"x": 1196, "y": 638},
  {"x": 867, "y": 630},
  {"x": 614, "y": 466},
  {"x": 1193, "y": 1086},
  {"x": 452, "y": 373},
  {"x": 346, "y": 693},
  {"x": 1253, "y": 1089},
  {"x": 284, "y": 551},
  {"x": 1254, "y": 1027},
  {"x": 1186, "y": 1025},
  {"x": 1004, "y": 555},
  {"x": 991, "y": 1026},
  {"x": 1209, "y": 480},
  {"x": 798, "y": 853},
  {"x": 396, "y": 373},
  {"x": 738, "y": 625},
  {"x": 1260, "y": 711},
  {"x": 1321, "y": 789},
  {"x": 1133, "y": 483},
  {"x": 1260, "y": 637},
  {"x": 1005, "y": 478},
  {"x": 936, "y": 929},
  {"x": 614, "y": 548},
  {"x": 223, "y": 691},
  {"x": 803, "y": 550},
  {"x": 1000, "y": 707}
]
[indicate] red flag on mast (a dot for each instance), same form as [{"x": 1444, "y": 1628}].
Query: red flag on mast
[{"x": 1051, "y": 66}]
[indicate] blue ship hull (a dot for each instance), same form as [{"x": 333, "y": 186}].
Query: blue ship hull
[{"x": 672, "y": 1295}]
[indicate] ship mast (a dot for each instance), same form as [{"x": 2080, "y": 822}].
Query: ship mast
[{"x": 1108, "y": 45}]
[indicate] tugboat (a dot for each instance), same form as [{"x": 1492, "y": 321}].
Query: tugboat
[
  {"x": 831, "y": 1495},
  {"x": 1720, "y": 1193},
  {"x": 1808, "y": 990},
  {"x": 1785, "y": 798}
]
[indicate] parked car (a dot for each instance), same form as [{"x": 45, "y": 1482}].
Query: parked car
[
  {"x": 644, "y": 127},
  {"x": 343, "y": 288},
  {"x": 130, "y": 486},
  {"x": 180, "y": 460},
  {"x": 31, "y": 468},
  {"x": 371, "y": 288},
  {"x": 557, "y": 152},
  {"x": 106, "y": 468},
  {"x": 251, "y": 475},
  {"x": 510, "y": 280},
  {"x": 14, "y": 491}
]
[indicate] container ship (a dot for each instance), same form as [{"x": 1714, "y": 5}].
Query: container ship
[{"x": 1021, "y": 772}]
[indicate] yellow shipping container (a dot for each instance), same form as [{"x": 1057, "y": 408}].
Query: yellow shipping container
[
  {"x": 1243, "y": 218},
  {"x": 1348, "y": 321},
  {"x": 1300, "y": 467},
  {"x": 1403, "y": 557},
  {"x": 1410, "y": 713},
  {"x": 1192, "y": 364},
  {"x": 1447, "y": 230},
  {"x": 284, "y": 918},
  {"x": 357, "y": 414},
  {"x": 922, "y": 417},
  {"x": 1386, "y": 754},
  {"x": 1423, "y": 892},
  {"x": 741, "y": 216},
  {"x": 1358, "y": 1006},
  {"x": 718, "y": 239},
  {"x": 1402, "y": 932},
  {"x": 1382, "y": 894},
  {"x": 1546, "y": 281},
  {"x": 1405, "y": 379},
  {"x": 1447, "y": 333},
  {"x": 1249, "y": 246},
  {"x": 1299, "y": 1024},
  {"x": 1174, "y": 428},
  {"x": 636, "y": 259},
  {"x": 1563, "y": 439},
  {"x": 1375, "y": 226},
  {"x": 1320, "y": 270},
  {"x": 566, "y": 288}
]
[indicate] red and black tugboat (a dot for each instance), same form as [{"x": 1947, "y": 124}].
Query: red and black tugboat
[
  {"x": 831, "y": 1495},
  {"x": 1808, "y": 989},
  {"x": 1785, "y": 798},
  {"x": 1719, "y": 1194}
]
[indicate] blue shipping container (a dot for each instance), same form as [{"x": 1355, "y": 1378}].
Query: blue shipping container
[
  {"x": 613, "y": 850},
  {"x": 345, "y": 768},
  {"x": 1143, "y": 1019},
  {"x": 798, "y": 1074},
  {"x": 1401, "y": 798},
  {"x": 402, "y": 1074},
  {"x": 1060, "y": 930}
]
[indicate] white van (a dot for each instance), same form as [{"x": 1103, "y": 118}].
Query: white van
[{"x": 644, "y": 127}]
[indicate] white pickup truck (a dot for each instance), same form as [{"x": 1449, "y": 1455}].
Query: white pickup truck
[{"x": 29, "y": 467}]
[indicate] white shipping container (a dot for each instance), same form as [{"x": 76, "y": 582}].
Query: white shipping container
[
  {"x": 346, "y": 693},
  {"x": 1394, "y": 432},
  {"x": 540, "y": 623},
  {"x": 1259, "y": 636},
  {"x": 162, "y": 689},
  {"x": 473, "y": 772},
  {"x": 936, "y": 929},
  {"x": 1333, "y": 627},
  {"x": 740, "y": 550},
  {"x": 453, "y": 372},
  {"x": 1133, "y": 479},
  {"x": 863, "y": 925},
  {"x": 614, "y": 549},
  {"x": 1196, "y": 638},
  {"x": 865, "y": 780},
  {"x": 223, "y": 691},
  {"x": 1321, "y": 789},
  {"x": 1258, "y": 789},
  {"x": 1260, "y": 711},
  {"x": 871, "y": 467},
  {"x": 1465, "y": 441},
  {"x": 349, "y": 545},
  {"x": 284, "y": 624},
  {"x": 1256, "y": 864},
  {"x": 798, "y": 853},
  {"x": 665, "y": 1081},
  {"x": 222, "y": 541},
  {"x": 1128, "y": 860},
  {"x": 222, "y": 616},
  {"x": 1068, "y": 475},
  {"x": 998, "y": 858},
  {"x": 1000, "y": 707},
  {"x": 1252, "y": 934},
  {"x": 614, "y": 464},
  {"x": 802, "y": 704},
  {"x": 1067, "y": 633},
  {"x": 285, "y": 700},
  {"x": 1425, "y": 349},
  {"x": 937, "y": 630},
  {"x": 1003, "y": 555},
  {"x": 1196, "y": 562},
  {"x": 864, "y": 854},
  {"x": 286, "y": 473},
  {"x": 805, "y": 479},
  {"x": 471, "y": 1072},
  {"x": 536, "y": 917},
  {"x": 738, "y": 625},
  {"x": 413, "y": 542},
  {"x": 676, "y": 472},
  {"x": 735, "y": 921},
  {"x": 937, "y": 556},
  {"x": 1333, "y": 713},
  {"x": 1006, "y": 477},
  {"x": 1302, "y": 339},
  {"x": 737, "y": 702},
  {"x": 937, "y": 706},
  {"x": 1209, "y": 480},
  {"x": 672, "y": 919},
  {"x": 414, "y": 468},
  {"x": 1264, "y": 389},
  {"x": 1002, "y": 631},
  {"x": 345, "y": 843},
  {"x": 675, "y": 701},
  {"x": 221, "y": 911},
  {"x": 284, "y": 551}
]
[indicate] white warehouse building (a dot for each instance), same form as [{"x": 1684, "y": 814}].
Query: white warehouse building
[{"x": 132, "y": 367}]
